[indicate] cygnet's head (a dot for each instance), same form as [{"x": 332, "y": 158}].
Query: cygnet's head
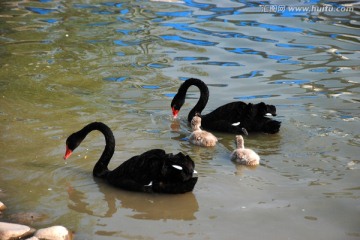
[{"x": 196, "y": 123}]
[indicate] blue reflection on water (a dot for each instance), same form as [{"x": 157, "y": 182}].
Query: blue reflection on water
[
  {"x": 40, "y": 10},
  {"x": 50, "y": 20},
  {"x": 287, "y": 45},
  {"x": 124, "y": 20},
  {"x": 224, "y": 64},
  {"x": 278, "y": 57},
  {"x": 112, "y": 4},
  {"x": 346, "y": 116},
  {"x": 303, "y": 97},
  {"x": 195, "y": 4},
  {"x": 159, "y": 65},
  {"x": 170, "y": 95},
  {"x": 175, "y": 14},
  {"x": 127, "y": 31},
  {"x": 150, "y": 86},
  {"x": 120, "y": 54},
  {"x": 254, "y": 97},
  {"x": 290, "y": 82},
  {"x": 187, "y": 40},
  {"x": 116, "y": 79},
  {"x": 124, "y": 11},
  {"x": 184, "y": 78},
  {"x": 250, "y": 75},
  {"x": 283, "y": 59},
  {"x": 319, "y": 70},
  {"x": 243, "y": 51},
  {"x": 127, "y": 43}
]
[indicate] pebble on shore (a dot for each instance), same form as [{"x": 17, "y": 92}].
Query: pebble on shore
[
  {"x": 14, "y": 231},
  {"x": 2, "y": 206},
  {"x": 10, "y": 231},
  {"x": 53, "y": 233}
]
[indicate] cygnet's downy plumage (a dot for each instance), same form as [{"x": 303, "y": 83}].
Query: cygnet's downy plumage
[
  {"x": 244, "y": 155},
  {"x": 200, "y": 137}
]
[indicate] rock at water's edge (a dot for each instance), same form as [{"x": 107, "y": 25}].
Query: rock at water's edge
[
  {"x": 2, "y": 206},
  {"x": 12, "y": 230},
  {"x": 53, "y": 233}
]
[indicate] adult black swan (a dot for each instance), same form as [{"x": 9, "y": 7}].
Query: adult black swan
[
  {"x": 152, "y": 171},
  {"x": 232, "y": 117}
]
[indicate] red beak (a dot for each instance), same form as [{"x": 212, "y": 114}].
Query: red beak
[
  {"x": 175, "y": 112},
  {"x": 67, "y": 153}
]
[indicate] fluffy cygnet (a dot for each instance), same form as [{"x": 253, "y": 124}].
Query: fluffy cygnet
[
  {"x": 244, "y": 155},
  {"x": 200, "y": 137}
]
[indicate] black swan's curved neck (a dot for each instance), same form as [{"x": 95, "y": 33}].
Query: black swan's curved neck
[
  {"x": 101, "y": 167},
  {"x": 204, "y": 95}
]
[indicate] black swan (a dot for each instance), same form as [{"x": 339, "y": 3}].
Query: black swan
[
  {"x": 152, "y": 171},
  {"x": 200, "y": 137},
  {"x": 232, "y": 117},
  {"x": 244, "y": 155}
]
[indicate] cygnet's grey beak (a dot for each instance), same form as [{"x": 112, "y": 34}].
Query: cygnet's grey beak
[
  {"x": 195, "y": 173},
  {"x": 245, "y": 131}
]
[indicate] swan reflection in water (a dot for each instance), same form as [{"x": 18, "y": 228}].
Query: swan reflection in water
[{"x": 142, "y": 205}]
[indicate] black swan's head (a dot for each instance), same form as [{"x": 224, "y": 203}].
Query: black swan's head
[
  {"x": 72, "y": 142},
  {"x": 265, "y": 109},
  {"x": 177, "y": 103},
  {"x": 178, "y": 167}
]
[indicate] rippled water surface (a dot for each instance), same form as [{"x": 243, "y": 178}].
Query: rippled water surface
[{"x": 67, "y": 63}]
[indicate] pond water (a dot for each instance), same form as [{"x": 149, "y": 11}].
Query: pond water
[{"x": 66, "y": 63}]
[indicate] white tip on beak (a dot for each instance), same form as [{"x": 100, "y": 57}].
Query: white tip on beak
[
  {"x": 149, "y": 184},
  {"x": 268, "y": 114},
  {"x": 177, "y": 167},
  {"x": 236, "y": 124},
  {"x": 195, "y": 172}
]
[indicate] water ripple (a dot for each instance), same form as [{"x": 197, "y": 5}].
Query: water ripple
[
  {"x": 252, "y": 74},
  {"x": 188, "y": 40},
  {"x": 175, "y": 14},
  {"x": 224, "y": 64},
  {"x": 222, "y": 34},
  {"x": 255, "y": 97},
  {"x": 190, "y": 58},
  {"x": 302, "y": 46},
  {"x": 290, "y": 82},
  {"x": 270, "y": 27}
]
